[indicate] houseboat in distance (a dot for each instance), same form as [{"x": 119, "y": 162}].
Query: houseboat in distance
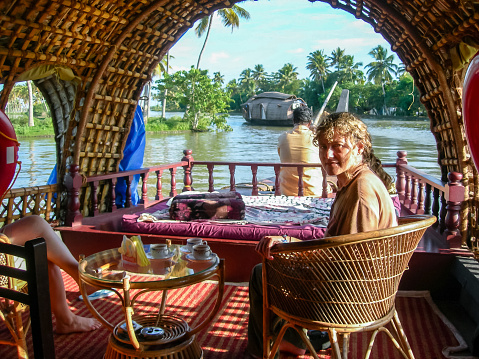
[{"x": 271, "y": 108}]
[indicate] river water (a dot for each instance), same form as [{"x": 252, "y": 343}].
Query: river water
[{"x": 244, "y": 143}]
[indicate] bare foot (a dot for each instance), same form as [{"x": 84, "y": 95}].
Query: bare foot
[{"x": 77, "y": 324}]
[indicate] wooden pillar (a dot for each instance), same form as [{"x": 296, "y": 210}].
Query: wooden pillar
[
  {"x": 454, "y": 196},
  {"x": 188, "y": 179},
  {"x": 400, "y": 175},
  {"x": 144, "y": 188},
  {"x": 73, "y": 183}
]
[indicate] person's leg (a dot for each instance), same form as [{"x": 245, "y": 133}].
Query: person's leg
[
  {"x": 255, "y": 322},
  {"x": 66, "y": 321},
  {"x": 291, "y": 343},
  {"x": 32, "y": 227}
]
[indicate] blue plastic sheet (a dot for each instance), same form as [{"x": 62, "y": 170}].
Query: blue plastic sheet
[{"x": 132, "y": 159}]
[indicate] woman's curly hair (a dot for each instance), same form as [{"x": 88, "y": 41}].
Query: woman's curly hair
[{"x": 348, "y": 125}]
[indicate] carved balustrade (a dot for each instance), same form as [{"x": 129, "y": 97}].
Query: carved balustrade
[
  {"x": 21, "y": 202},
  {"x": 421, "y": 193},
  {"x": 418, "y": 192}
]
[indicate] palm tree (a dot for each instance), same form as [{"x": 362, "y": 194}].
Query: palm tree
[
  {"x": 31, "y": 123},
  {"x": 160, "y": 69},
  {"x": 218, "y": 78},
  {"x": 247, "y": 82},
  {"x": 286, "y": 77},
  {"x": 337, "y": 58},
  {"x": 381, "y": 69},
  {"x": 259, "y": 75},
  {"x": 350, "y": 71},
  {"x": 318, "y": 66},
  {"x": 230, "y": 18}
]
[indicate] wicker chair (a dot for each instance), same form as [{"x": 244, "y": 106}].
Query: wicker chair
[
  {"x": 342, "y": 285},
  {"x": 15, "y": 298}
]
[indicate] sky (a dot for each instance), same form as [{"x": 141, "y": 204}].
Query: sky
[{"x": 278, "y": 32}]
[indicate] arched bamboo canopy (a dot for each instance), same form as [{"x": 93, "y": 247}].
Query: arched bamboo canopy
[{"x": 113, "y": 46}]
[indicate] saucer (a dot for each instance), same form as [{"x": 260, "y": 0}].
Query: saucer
[
  {"x": 170, "y": 255},
  {"x": 185, "y": 249},
  {"x": 191, "y": 258}
]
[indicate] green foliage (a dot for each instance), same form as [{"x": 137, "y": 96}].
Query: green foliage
[
  {"x": 206, "y": 103},
  {"x": 175, "y": 123}
]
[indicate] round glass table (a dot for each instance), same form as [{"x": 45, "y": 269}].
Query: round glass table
[{"x": 158, "y": 335}]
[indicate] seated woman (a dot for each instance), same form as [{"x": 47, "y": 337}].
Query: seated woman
[
  {"x": 59, "y": 256},
  {"x": 362, "y": 204}
]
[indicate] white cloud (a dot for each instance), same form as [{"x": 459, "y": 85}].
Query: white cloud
[
  {"x": 217, "y": 57},
  {"x": 296, "y": 51}
]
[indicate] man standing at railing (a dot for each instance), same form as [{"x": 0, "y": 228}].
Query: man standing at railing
[{"x": 296, "y": 146}]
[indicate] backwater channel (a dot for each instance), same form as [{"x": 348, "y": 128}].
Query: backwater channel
[{"x": 245, "y": 143}]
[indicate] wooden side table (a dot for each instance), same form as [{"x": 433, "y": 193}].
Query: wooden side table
[{"x": 149, "y": 336}]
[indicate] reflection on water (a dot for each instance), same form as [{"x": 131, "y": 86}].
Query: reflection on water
[{"x": 245, "y": 143}]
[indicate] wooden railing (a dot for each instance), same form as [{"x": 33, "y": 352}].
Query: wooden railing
[
  {"x": 418, "y": 192},
  {"x": 21, "y": 202}
]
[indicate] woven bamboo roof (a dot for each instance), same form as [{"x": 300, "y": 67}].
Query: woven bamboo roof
[{"x": 113, "y": 46}]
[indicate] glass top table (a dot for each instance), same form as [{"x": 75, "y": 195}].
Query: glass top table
[{"x": 107, "y": 270}]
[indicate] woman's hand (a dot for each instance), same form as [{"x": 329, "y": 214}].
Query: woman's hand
[{"x": 266, "y": 243}]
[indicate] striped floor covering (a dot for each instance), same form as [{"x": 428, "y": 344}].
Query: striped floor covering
[{"x": 427, "y": 331}]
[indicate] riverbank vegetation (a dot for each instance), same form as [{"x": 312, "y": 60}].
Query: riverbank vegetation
[{"x": 384, "y": 88}]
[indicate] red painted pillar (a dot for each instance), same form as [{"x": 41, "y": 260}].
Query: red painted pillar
[
  {"x": 401, "y": 176},
  {"x": 73, "y": 183},
  {"x": 188, "y": 179},
  {"x": 454, "y": 195}
]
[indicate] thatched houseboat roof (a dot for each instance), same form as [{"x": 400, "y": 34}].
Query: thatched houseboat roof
[
  {"x": 113, "y": 46},
  {"x": 275, "y": 107}
]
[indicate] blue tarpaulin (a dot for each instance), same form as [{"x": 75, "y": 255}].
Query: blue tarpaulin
[{"x": 132, "y": 160}]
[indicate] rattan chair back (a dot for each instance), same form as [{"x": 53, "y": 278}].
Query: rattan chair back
[{"x": 348, "y": 283}]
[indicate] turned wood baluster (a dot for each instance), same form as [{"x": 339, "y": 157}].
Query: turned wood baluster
[
  {"x": 188, "y": 178},
  {"x": 94, "y": 197},
  {"x": 232, "y": 178},
  {"x": 442, "y": 213},
  {"x": 73, "y": 183},
  {"x": 427, "y": 201},
  {"x": 277, "y": 170},
  {"x": 435, "y": 204},
  {"x": 454, "y": 195},
  {"x": 159, "y": 185},
  {"x": 113, "y": 194},
  {"x": 420, "y": 205},
  {"x": 173, "y": 183},
  {"x": 128, "y": 180},
  {"x": 407, "y": 192},
  {"x": 254, "y": 171},
  {"x": 400, "y": 175},
  {"x": 211, "y": 180},
  {"x": 414, "y": 185},
  {"x": 144, "y": 188},
  {"x": 300, "y": 182}
]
